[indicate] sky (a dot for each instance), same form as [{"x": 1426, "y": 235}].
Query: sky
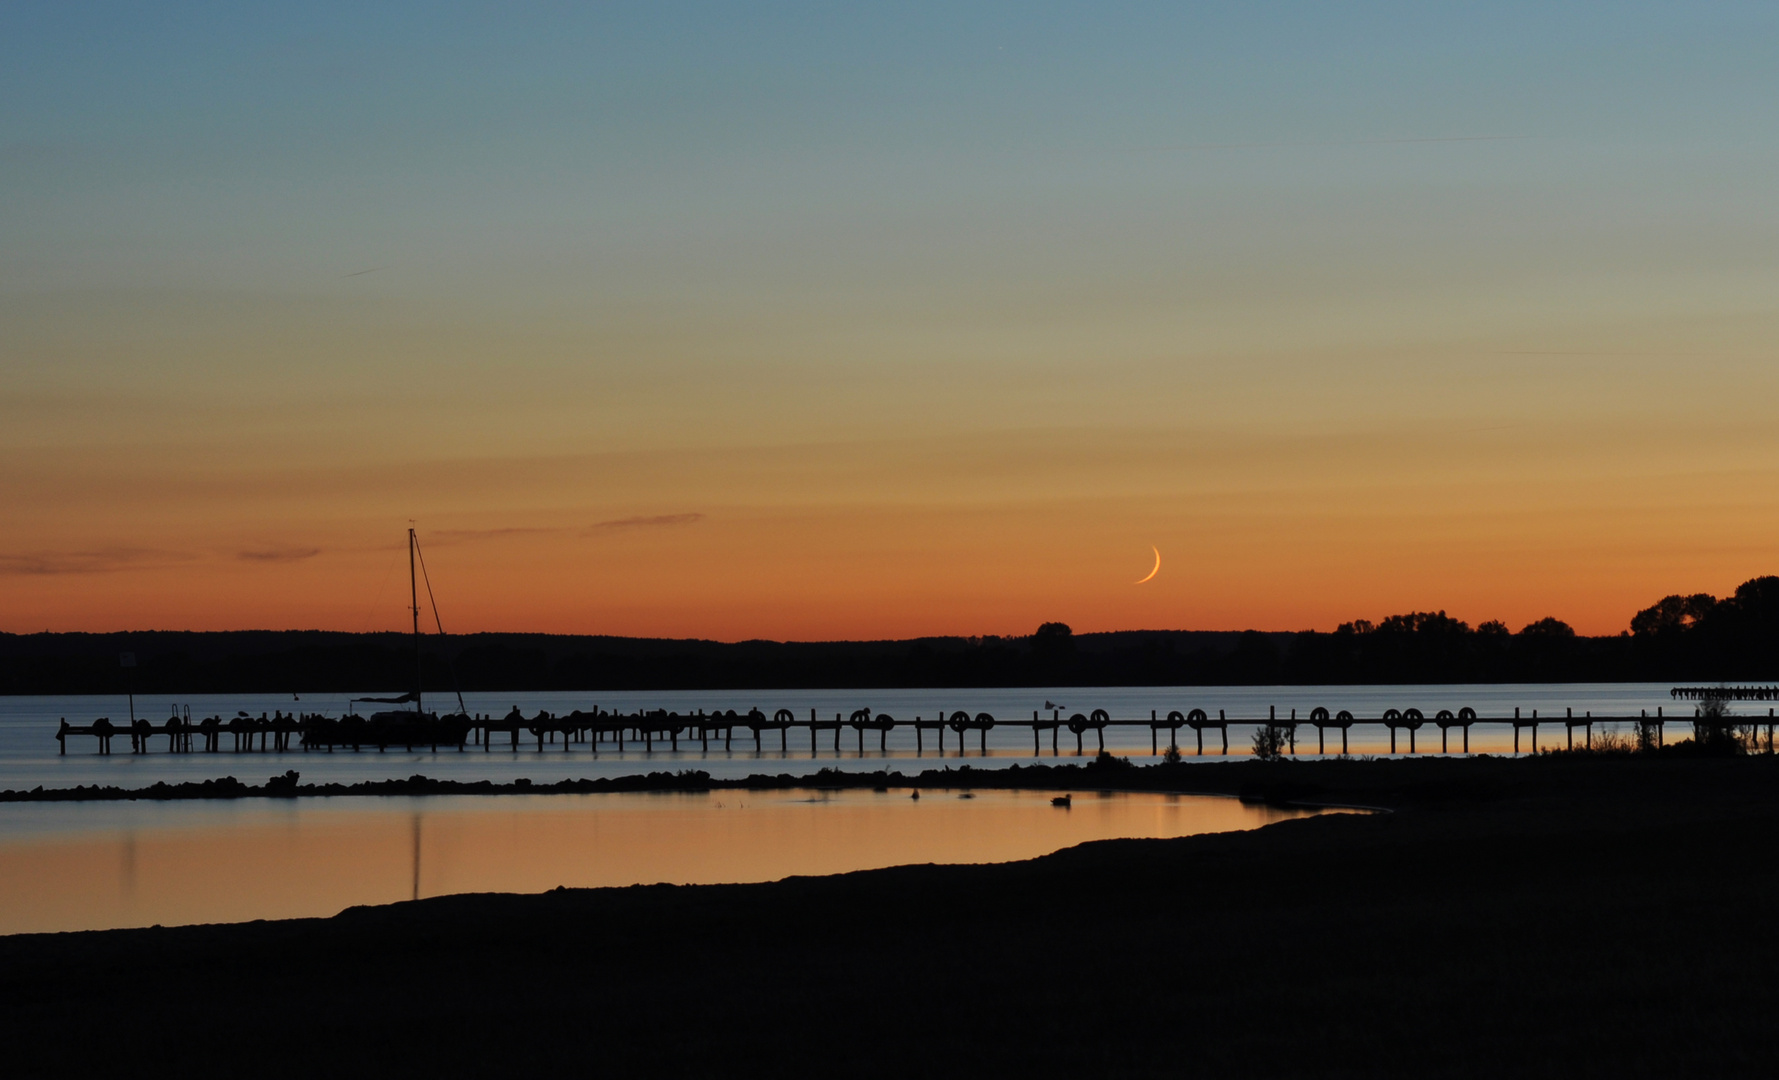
[{"x": 803, "y": 321}]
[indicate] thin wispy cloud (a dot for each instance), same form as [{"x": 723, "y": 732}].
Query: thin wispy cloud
[
  {"x": 1335, "y": 143},
  {"x": 97, "y": 561},
  {"x": 286, "y": 554},
  {"x": 646, "y": 522}
]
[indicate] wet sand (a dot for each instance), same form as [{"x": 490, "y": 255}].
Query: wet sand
[{"x": 1552, "y": 917}]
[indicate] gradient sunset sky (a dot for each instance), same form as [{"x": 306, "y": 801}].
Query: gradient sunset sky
[{"x": 814, "y": 321}]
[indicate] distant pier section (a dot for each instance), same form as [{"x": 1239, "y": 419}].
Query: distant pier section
[{"x": 1725, "y": 693}]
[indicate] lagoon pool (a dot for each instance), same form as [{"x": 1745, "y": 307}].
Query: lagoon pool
[{"x": 84, "y": 866}]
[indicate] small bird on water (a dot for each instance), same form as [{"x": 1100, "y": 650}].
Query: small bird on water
[{"x": 1062, "y": 800}]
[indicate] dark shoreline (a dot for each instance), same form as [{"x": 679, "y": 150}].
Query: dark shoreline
[
  {"x": 1113, "y": 773},
  {"x": 1736, "y": 641},
  {"x": 1320, "y": 782},
  {"x": 1565, "y": 915}
]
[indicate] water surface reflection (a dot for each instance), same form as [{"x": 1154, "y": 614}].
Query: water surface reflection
[{"x": 97, "y": 865}]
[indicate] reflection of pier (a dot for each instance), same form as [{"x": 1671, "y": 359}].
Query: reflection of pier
[{"x": 599, "y": 729}]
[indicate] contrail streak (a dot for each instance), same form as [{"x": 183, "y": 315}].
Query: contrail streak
[{"x": 1354, "y": 142}]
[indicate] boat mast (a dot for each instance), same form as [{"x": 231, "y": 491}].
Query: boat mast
[
  {"x": 462, "y": 709},
  {"x": 414, "y": 597}
]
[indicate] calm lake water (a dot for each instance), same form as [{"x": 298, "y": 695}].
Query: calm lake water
[
  {"x": 90, "y": 865},
  {"x": 96, "y": 865}
]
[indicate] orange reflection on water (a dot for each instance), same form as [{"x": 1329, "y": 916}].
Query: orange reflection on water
[{"x": 177, "y": 864}]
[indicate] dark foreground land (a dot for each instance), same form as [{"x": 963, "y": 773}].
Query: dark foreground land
[{"x": 1560, "y": 916}]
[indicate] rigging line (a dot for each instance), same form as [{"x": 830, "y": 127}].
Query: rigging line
[{"x": 424, "y": 576}]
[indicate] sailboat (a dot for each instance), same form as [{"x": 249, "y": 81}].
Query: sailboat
[{"x": 396, "y": 727}]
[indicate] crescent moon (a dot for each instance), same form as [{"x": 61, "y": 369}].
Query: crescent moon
[{"x": 1155, "y": 571}]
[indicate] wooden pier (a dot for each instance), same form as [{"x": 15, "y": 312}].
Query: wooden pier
[{"x": 597, "y": 730}]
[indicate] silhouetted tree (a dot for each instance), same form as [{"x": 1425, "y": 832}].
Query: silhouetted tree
[
  {"x": 1543, "y": 650},
  {"x": 1714, "y": 727},
  {"x": 1426, "y": 646},
  {"x": 1053, "y": 647},
  {"x": 1672, "y": 614},
  {"x": 1423, "y": 622},
  {"x": 1741, "y": 632},
  {"x": 1270, "y": 741}
]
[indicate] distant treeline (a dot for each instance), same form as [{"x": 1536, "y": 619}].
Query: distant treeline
[{"x": 1695, "y": 638}]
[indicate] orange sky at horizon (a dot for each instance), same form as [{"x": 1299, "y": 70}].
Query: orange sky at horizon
[{"x": 990, "y": 534}]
